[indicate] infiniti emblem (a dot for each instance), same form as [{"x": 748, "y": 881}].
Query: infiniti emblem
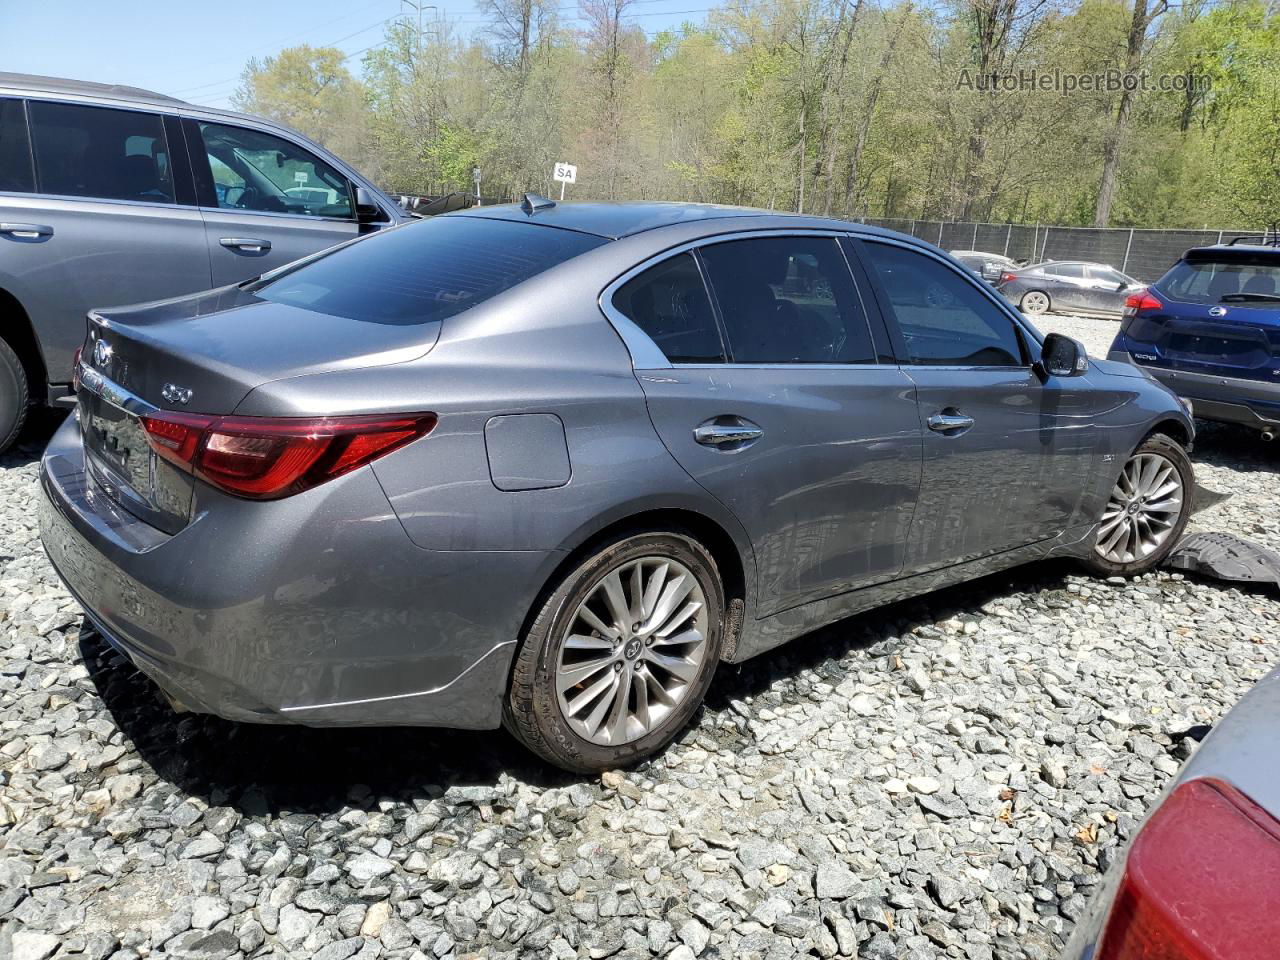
[
  {"x": 176, "y": 394},
  {"x": 101, "y": 353},
  {"x": 1217, "y": 311}
]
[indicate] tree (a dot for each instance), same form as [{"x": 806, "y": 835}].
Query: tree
[{"x": 1145, "y": 13}]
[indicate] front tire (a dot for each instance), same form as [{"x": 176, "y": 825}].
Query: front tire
[
  {"x": 620, "y": 655},
  {"x": 1146, "y": 512},
  {"x": 14, "y": 396}
]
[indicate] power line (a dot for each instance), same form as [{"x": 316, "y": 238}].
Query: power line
[{"x": 280, "y": 43}]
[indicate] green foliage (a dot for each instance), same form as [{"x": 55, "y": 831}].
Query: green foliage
[{"x": 838, "y": 105}]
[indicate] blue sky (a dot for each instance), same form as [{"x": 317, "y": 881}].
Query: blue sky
[{"x": 196, "y": 50}]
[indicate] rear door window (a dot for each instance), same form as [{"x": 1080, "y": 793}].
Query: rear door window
[
  {"x": 16, "y": 174},
  {"x": 1072, "y": 271},
  {"x": 944, "y": 318},
  {"x": 669, "y": 302},
  {"x": 425, "y": 271},
  {"x": 100, "y": 152},
  {"x": 788, "y": 300},
  {"x": 252, "y": 170}
]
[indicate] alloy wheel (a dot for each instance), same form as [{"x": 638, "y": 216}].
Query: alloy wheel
[
  {"x": 1035, "y": 302},
  {"x": 632, "y": 650},
  {"x": 1143, "y": 509}
]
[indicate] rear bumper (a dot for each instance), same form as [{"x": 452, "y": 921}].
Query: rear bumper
[
  {"x": 1253, "y": 403},
  {"x": 316, "y": 610}
]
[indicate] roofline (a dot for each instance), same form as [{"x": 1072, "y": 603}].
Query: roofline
[
  {"x": 799, "y": 221},
  {"x": 60, "y": 88},
  {"x": 64, "y": 86}
]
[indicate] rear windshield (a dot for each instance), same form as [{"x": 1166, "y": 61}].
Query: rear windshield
[
  {"x": 1208, "y": 282},
  {"x": 426, "y": 271}
]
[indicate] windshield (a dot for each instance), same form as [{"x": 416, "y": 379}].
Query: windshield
[
  {"x": 1207, "y": 282},
  {"x": 425, "y": 271}
]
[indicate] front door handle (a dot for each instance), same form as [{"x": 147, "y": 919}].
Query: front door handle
[
  {"x": 26, "y": 231},
  {"x": 247, "y": 244},
  {"x": 950, "y": 421},
  {"x": 727, "y": 433}
]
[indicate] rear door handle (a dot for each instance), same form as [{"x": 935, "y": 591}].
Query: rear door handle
[
  {"x": 247, "y": 244},
  {"x": 950, "y": 421},
  {"x": 26, "y": 231},
  {"x": 727, "y": 433}
]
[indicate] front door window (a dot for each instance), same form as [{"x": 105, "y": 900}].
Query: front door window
[{"x": 256, "y": 171}]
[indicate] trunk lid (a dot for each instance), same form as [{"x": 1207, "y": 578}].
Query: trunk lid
[
  {"x": 222, "y": 344},
  {"x": 204, "y": 354}
]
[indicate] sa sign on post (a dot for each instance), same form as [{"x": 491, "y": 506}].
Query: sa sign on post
[{"x": 565, "y": 173}]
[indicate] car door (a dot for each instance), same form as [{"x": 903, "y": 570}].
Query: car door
[
  {"x": 1069, "y": 287},
  {"x": 266, "y": 200},
  {"x": 1007, "y": 454},
  {"x": 1108, "y": 289},
  {"x": 105, "y": 217},
  {"x": 780, "y": 402}
]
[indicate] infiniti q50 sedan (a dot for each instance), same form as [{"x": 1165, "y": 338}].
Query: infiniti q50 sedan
[{"x": 547, "y": 465}]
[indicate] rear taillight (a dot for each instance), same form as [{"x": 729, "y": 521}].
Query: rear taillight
[
  {"x": 1008, "y": 277},
  {"x": 75, "y": 370},
  {"x": 265, "y": 458},
  {"x": 1200, "y": 882},
  {"x": 1137, "y": 303}
]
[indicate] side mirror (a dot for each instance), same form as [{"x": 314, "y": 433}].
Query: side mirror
[
  {"x": 1063, "y": 357},
  {"x": 367, "y": 209}
]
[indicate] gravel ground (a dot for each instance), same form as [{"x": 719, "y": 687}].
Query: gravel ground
[
  {"x": 942, "y": 778},
  {"x": 1095, "y": 333}
]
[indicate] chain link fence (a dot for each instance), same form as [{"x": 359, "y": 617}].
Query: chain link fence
[{"x": 1143, "y": 254}]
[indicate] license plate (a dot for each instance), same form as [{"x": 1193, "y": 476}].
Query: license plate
[{"x": 115, "y": 438}]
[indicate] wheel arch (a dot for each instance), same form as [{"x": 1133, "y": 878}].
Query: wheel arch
[
  {"x": 732, "y": 557},
  {"x": 17, "y": 330},
  {"x": 1174, "y": 429}
]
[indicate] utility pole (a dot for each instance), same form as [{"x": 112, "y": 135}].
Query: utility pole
[{"x": 410, "y": 7}]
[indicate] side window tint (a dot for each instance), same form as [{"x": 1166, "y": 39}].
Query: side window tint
[
  {"x": 99, "y": 152},
  {"x": 944, "y": 319},
  {"x": 669, "y": 302},
  {"x": 1072, "y": 271},
  {"x": 788, "y": 300},
  {"x": 15, "y": 152},
  {"x": 257, "y": 171}
]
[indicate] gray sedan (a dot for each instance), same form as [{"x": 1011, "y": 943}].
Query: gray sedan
[
  {"x": 1068, "y": 287},
  {"x": 549, "y": 465}
]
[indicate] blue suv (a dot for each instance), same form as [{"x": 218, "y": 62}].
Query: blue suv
[{"x": 1209, "y": 329}]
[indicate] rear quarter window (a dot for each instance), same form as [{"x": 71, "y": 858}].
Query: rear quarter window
[{"x": 426, "y": 271}]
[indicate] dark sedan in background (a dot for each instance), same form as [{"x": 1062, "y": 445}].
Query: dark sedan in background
[{"x": 1068, "y": 287}]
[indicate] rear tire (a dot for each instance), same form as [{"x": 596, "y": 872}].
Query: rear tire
[
  {"x": 639, "y": 705},
  {"x": 1146, "y": 512},
  {"x": 14, "y": 396},
  {"x": 1034, "y": 303}
]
